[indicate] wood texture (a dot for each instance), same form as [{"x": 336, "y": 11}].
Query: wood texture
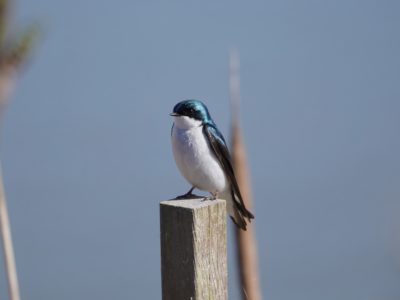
[{"x": 193, "y": 249}]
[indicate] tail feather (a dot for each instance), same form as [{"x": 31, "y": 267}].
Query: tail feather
[{"x": 238, "y": 213}]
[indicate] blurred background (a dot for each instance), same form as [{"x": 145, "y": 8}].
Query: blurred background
[{"x": 86, "y": 142}]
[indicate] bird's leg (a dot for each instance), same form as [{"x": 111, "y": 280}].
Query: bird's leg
[
  {"x": 213, "y": 196},
  {"x": 188, "y": 195}
]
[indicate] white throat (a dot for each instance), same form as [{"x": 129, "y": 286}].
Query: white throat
[{"x": 186, "y": 123}]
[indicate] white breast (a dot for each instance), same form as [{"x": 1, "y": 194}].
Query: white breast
[{"x": 194, "y": 158}]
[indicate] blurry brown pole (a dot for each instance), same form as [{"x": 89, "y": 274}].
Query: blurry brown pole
[
  {"x": 12, "y": 55},
  {"x": 245, "y": 240}
]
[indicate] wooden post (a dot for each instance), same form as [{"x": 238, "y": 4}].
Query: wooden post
[{"x": 193, "y": 249}]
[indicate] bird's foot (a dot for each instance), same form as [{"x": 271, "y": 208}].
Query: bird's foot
[
  {"x": 188, "y": 196},
  {"x": 211, "y": 198}
]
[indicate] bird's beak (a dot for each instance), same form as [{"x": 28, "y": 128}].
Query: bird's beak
[{"x": 174, "y": 114}]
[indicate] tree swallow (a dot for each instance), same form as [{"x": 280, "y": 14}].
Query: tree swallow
[{"x": 203, "y": 158}]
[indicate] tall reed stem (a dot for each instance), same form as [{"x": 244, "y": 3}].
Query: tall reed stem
[{"x": 9, "y": 260}]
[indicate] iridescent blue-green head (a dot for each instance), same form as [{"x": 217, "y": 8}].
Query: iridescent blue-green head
[{"x": 194, "y": 109}]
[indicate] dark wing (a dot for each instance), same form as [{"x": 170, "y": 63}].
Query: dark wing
[{"x": 218, "y": 145}]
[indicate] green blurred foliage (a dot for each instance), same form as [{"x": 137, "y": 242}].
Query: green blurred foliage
[{"x": 15, "y": 49}]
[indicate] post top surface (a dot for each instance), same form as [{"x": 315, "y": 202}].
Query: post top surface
[{"x": 192, "y": 203}]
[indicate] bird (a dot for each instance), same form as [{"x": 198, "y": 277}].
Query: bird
[{"x": 203, "y": 158}]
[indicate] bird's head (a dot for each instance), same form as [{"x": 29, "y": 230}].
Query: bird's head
[{"x": 192, "y": 111}]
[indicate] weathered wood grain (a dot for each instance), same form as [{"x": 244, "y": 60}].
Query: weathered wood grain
[{"x": 193, "y": 249}]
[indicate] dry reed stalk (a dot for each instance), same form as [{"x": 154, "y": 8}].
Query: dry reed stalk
[
  {"x": 6, "y": 82},
  {"x": 245, "y": 240},
  {"x": 13, "y": 53},
  {"x": 9, "y": 259},
  {"x": 7, "y": 74}
]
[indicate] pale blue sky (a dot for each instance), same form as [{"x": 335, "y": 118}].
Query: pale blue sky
[{"x": 87, "y": 157}]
